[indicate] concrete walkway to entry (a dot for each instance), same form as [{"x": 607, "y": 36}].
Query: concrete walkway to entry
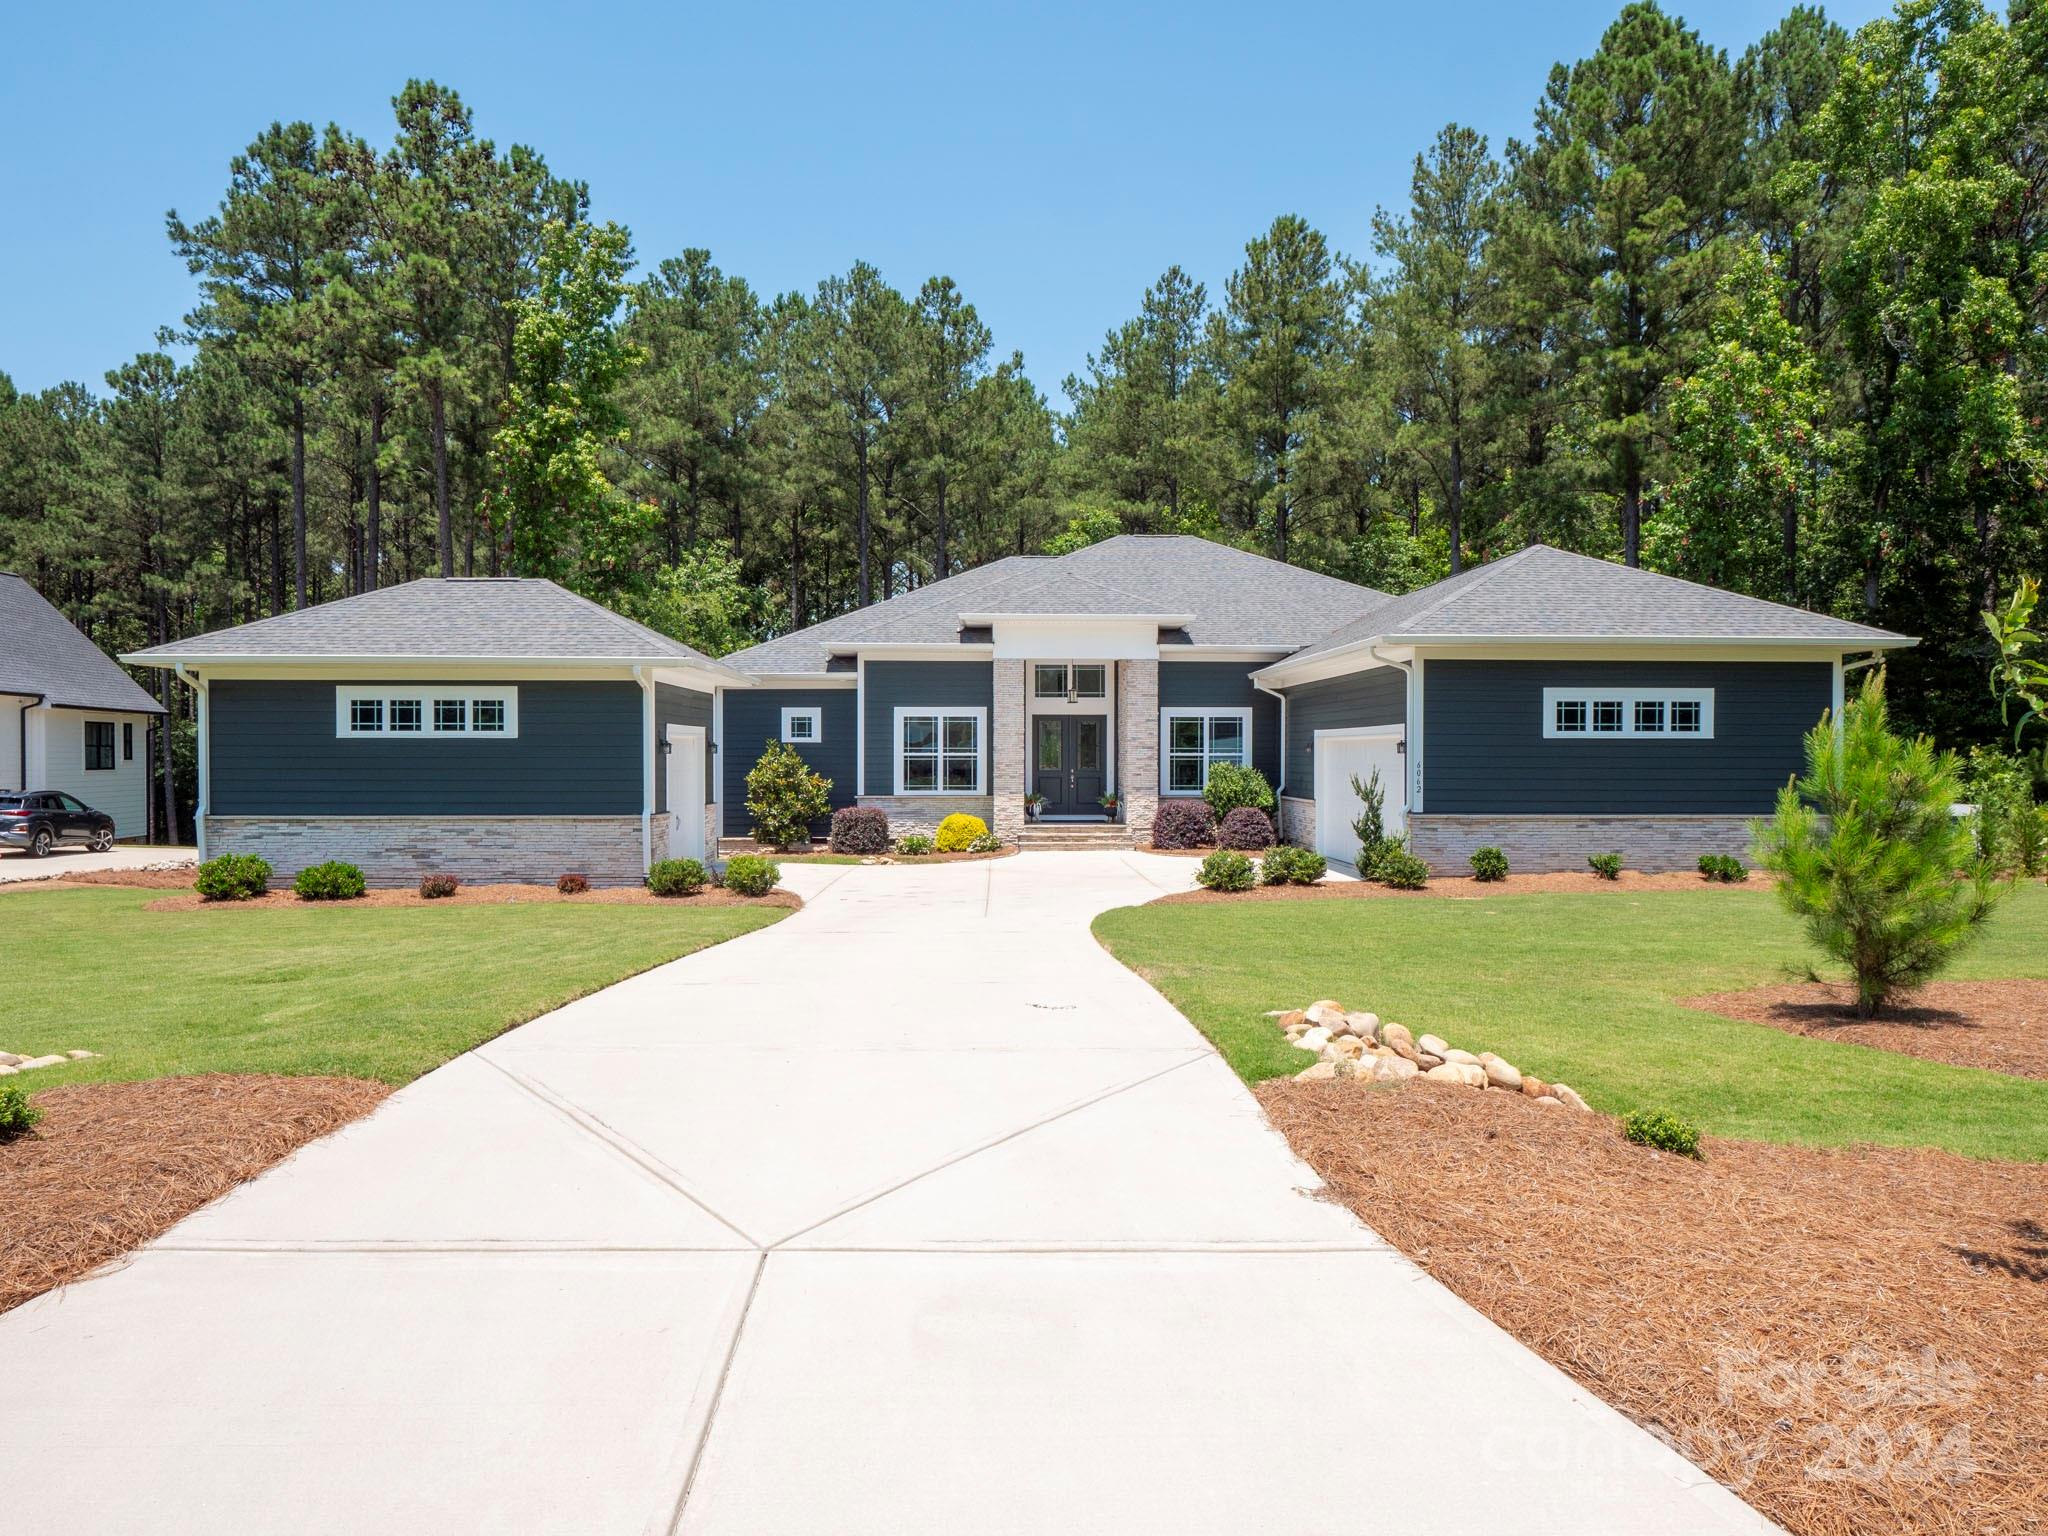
[{"x": 914, "y": 1213}]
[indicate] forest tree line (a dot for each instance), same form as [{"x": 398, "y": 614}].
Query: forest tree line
[{"x": 1776, "y": 322}]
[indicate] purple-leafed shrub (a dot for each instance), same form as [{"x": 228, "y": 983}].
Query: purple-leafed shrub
[
  {"x": 860, "y": 829},
  {"x": 1245, "y": 827},
  {"x": 1183, "y": 824}
]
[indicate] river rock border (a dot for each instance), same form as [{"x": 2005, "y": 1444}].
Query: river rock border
[{"x": 1360, "y": 1046}]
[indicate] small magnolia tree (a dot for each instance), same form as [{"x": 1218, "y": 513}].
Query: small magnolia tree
[
  {"x": 1868, "y": 855},
  {"x": 785, "y": 797}
]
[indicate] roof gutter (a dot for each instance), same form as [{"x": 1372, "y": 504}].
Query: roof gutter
[
  {"x": 202, "y": 758},
  {"x": 360, "y": 659},
  {"x": 1280, "y": 792},
  {"x": 22, "y": 736}
]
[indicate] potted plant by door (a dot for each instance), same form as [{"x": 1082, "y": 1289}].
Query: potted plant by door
[
  {"x": 1032, "y": 804},
  {"x": 1108, "y": 803}
]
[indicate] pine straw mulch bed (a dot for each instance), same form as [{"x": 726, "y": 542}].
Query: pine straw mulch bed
[
  {"x": 2001, "y": 1026},
  {"x": 1851, "y": 1339},
  {"x": 483, "y": 896},
  {"x": 179, "y": 879},
  {"x": 114, "y": 1164},
  {"x": 1465, "y": 888}
]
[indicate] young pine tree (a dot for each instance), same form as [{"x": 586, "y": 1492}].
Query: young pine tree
[{"x": 1869, "y": 856}]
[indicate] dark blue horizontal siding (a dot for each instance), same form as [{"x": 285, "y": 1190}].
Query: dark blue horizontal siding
[
  {"x": 1375, "y": 697},
  {"x": 1222, "y": 685},
  {"x": 1484, "y": 752},
  {"x": 678, "y": 706},
  {"x": 893, "y": 685},
  {"x": 274, "y": 752},
  {"x": 753, "y": 718}
]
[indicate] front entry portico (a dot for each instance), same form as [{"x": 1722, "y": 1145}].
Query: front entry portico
[{"x": 1069, "y": 758}]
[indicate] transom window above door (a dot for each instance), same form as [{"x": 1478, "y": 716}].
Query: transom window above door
[
  {"x": 442, "y": 711},
  {"x": 941, "y": 751},
  {"x": 1191, "y": 740},
  {"x": 1684, "y": 714},
  {"x": 1069, "y": 680}
]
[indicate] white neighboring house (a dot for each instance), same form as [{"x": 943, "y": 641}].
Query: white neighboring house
[{"x": 70, "y": 718}]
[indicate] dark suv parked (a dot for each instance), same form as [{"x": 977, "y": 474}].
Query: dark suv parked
[{"x": 43, "y": 818}]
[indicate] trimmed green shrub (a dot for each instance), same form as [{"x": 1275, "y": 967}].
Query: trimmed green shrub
[
  {"x": 1287, "y": 865},
  {"x": 1606, "y": 865},
  {"x": 1225, "y": 870},
  {"x": 958, "y": 832},
  {"x": 988, "y": 842},
  {"x": 1230, "y": 787},
  {"x": 1667, "y": 1133},
  {"x": 17, "y": 1116},
  {"x": 1401, "y": 869},
  {"x": 436, "y": 887},
  {"x": 677, "y": 877},
  {"x": 1868, "y": 855},
  {"x": 1183, "y": 824},
  {"x": 1245, "y": 827},
  {"x": 1489, "y": 864},
  {"x": 914, "y": 844},
  {"x": 785, "y": 797},
  {"x": 232, "y": 877},
  {"x": 860, "y": 829},
  {"x": 573, "y": 885},
  {"x": 1723, "y": 868},
  {"x": 332, "y": 881},
  {"x": 1369, "y": 826},
  {"x": 751, "y": 875}
]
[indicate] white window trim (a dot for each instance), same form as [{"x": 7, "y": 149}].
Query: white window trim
[
  {"x": 469, "y": 692},
  {"x": 1628, "y": 698},
  {"x": 813, "y": 714},
  {"x": 1205, "y": 714},
  {"x": 945, "y": 712}
]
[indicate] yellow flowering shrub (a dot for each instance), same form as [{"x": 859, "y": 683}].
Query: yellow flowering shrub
[{"x": 958, "y": 830}]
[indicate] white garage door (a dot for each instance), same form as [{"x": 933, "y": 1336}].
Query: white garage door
[{"x": 1341, "y": 754}]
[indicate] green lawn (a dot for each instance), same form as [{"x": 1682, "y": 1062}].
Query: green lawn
[
  {"x": 384, "y": 992},
  {"x": 1581, "y": 989}
]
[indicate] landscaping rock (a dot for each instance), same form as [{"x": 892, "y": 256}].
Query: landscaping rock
[
  {"x": 1350, "y": 1047},
  {"x": 1457, "y": 1072},
  {"x": 1428, "y": 1059},
  {"x": 1565, "y": 1095},
  {"x": 1394, "y": 1069},
  {"x": 1550, "y": 1098},
  {"x": 9, "y": 1059},
  {"x": 1462, "y": 1058},
  {"x": 8, "y": 1071},
  {"x": 1321, "y": 1072},
  {"x": 1328, "y": 1015},
  {"x": 1293, "y": 1018},
  {"x": 1365, "y": 1025},
  {"x": 80, "y": 1055},
  {"x": 1535, "y": 1087},
  {"x": 1500, "y": 1073},
  {"x": 42, "y": 1061},
  {"x": 1397, "y": 1039},
  {"x": 1314, "y": 1040},
  {"x": 1430, "y": 1045}
]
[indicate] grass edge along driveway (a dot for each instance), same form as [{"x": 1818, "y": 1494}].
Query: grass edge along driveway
[
  {"x": 1583, "y": 989},
  {"x": 379, "y": 992}
]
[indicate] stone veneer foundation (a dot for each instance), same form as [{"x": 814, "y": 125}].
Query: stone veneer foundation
[
  {"x": 1137, "y": 746},
  {"x": 923, "y": 813},
  {"x": 1297, "y": 821},
  {"x": 483, "y": 850},
  {"x": 1007, "y": 731},
  {"x": 1547, "y": 844}
]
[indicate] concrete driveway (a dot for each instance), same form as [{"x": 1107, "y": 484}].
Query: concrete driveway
[
  {"x": 17, "y": 865},
  {"x": 913, "y": 1213}
]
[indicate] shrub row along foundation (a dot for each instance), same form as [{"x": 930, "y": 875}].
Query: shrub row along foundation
[{"x": 1362, "y": 1047}]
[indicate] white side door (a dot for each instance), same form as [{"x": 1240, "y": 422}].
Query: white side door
[
  {"x": 1340, "y": 754},
  {"x": 686, "y": 791}
]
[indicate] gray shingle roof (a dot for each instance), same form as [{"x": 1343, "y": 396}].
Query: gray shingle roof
[
  {"x": 485, "y": 618},
  {"x": 1238, "y": 599},
  {"x": 42, "y": 652},
  {"x": 1547, "y": 593}
]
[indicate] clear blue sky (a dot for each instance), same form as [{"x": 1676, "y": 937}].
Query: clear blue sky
[{"x": 1052, "y": 159}]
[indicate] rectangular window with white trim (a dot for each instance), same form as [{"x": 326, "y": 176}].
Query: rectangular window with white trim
[
  {"x": 1192, "y": 740},
  {"x": 941, "y": 751},
  {"x": 802, "y": 727},
  {"x": 441, "y": 711},
  {"x": 1663, "y": 714}
]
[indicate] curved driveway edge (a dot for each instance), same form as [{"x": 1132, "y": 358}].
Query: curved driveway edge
[{"x": 914, "y": 1212}]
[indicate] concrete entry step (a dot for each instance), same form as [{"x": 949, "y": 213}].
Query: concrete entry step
[{"x": 1074, "y": 834}]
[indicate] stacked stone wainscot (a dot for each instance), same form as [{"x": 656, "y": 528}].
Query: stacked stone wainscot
[
  {"x": 483, "y": 850},
  {"x": 1537, "y": 845}
]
